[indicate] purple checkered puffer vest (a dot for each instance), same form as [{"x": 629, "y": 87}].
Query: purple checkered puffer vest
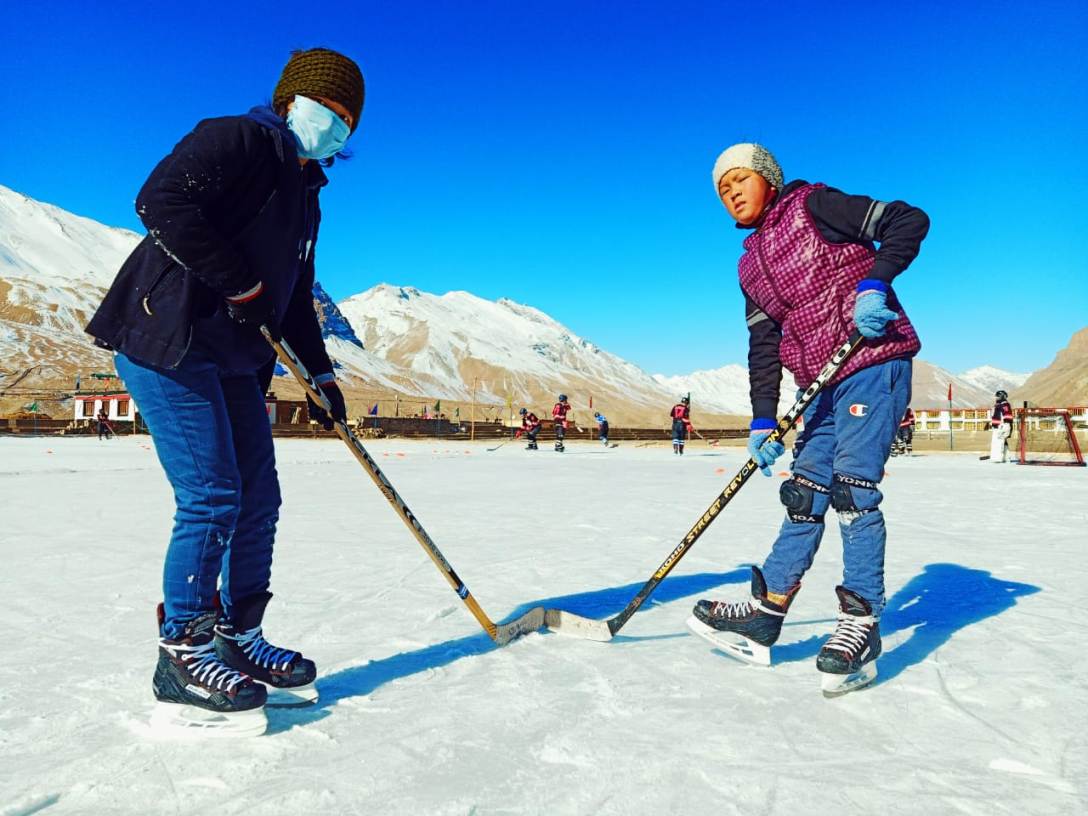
[{"x": 808, "y": 286}]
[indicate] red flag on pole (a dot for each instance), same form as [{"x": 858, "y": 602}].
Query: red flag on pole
[
  {"x": 591, "y": 402},
  {"x": 950, "y": 392}
]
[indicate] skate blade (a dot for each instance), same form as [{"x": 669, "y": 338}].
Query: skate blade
[
  {"x": 836, "y": 685},
  {"x": 173, "y": 720},
  {"x": 298, "y": 697},
  {"x": 731, "y": 643}
]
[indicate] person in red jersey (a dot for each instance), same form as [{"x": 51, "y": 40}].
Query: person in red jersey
[
  {"x": 559, "y": 417},
  {"x": 530, "y": 426},
  {"x": 681, "y": 424}
]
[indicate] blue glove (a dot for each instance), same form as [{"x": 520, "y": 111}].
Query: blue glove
[
  {"x": 764, "y": 453},
  {"x": 871, "y": 312}
]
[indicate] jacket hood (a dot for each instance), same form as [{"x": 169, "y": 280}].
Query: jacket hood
[{"x": 288, "y": 146}]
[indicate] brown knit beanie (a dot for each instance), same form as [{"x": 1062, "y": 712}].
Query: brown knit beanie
[{"x": 325, "y": 73}]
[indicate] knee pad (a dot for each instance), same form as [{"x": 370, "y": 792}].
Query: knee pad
[
  {"x": 804, "y": 499},
  {"x": 853, "y": 497}
]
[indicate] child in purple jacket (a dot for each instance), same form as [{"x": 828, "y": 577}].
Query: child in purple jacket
[{"x": 811, "y": 274}]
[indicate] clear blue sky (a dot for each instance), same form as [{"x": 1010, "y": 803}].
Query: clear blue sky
[{"x": 560, "y": 153}]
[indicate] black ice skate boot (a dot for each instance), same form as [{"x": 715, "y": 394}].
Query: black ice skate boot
[
  {"x": 198, "y": 694},
  {"x": 531, "y": 446},
  {"x": 745, "y": 629},
  {"x": 241, "y": 645},
  {"x": 848, "y": 659}
]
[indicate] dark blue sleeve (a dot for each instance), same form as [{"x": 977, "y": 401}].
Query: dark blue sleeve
[
  {"x": 896, "y": 226},
  {"x": 764, "y": 363}
]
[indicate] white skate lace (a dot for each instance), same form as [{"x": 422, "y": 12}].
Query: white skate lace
[
  {"x": 261, "y": 652},
  {"x": 206, "y": 667},
  {"x": 724, "y": 609},
  {"x": 851, "y": 633}
]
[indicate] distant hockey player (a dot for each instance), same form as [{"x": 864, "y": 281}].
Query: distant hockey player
[
  {"x": 602, "y": 428},
  {"x": 1000, "y": 427},
  {"x": 232, "y": 217},
  {"x": 904, "y": 441},
  {"x": 104, "y": 428},
  {"x": 681, "y": 424},
  {"x": 810, "y": 274},
  {"x": 559, "y": 417},
  {"x": 530, "y": 426}
]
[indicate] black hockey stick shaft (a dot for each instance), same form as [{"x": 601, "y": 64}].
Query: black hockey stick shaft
[
  {"x": 508, "y": 631},
  {"x": 838, "y": 359}
]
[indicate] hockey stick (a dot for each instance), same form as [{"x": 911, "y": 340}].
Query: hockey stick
[
  {"x": 713, "y": 443},
  {"x": 569, "y": 623},
  {"x": 501, "y": 633}
]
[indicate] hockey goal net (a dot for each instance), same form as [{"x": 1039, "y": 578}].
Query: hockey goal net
[{"x": 1047, "y": 437}]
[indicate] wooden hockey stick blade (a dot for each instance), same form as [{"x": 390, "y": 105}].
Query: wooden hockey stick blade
[
  {"x": 567, "y": 623},
  {"x": 531, "y": 621}
]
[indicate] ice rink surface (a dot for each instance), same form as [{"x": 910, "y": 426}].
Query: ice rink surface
[{"x": 980, "y": 707}]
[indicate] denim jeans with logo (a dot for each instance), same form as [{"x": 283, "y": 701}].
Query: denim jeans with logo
[
  {"x": 212, "y": 437},
  {"x": 848, "y": 431}
]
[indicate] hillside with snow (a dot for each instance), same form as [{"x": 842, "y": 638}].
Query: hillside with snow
[
  {"x": 991, "y": 379},
  {"x": 452, "y": 342},
  {"x": 54, "y": 269},
  {"x": 723, "y": 389}
]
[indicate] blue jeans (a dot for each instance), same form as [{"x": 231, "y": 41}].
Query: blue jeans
[
  {"x": 213, "y": 439},
  {"x": 849, "y": 430}
]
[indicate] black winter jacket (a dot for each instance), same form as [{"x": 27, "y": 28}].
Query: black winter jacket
[{"x": 199, "y": 205}]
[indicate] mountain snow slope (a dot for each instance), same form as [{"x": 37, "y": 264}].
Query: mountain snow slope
[
  {"x": 991, "y": 379},
  {"x": 450, "y": 342},
  {"x": 54, "y": 269},
  {"x": 724, "y": 389}
]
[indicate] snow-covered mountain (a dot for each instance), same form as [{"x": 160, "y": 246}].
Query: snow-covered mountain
[
  {"x": 723, "y": 390},
  {"x": 454, "y": 342},
  {"x": 991, "y": 379},
  {"x": 930, "y": 388},
  {"x": 54, "y": 269}
]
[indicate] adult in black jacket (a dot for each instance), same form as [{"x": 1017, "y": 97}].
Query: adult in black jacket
[{"x": 232, "y": 219}]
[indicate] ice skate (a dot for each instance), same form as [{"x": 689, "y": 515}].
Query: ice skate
[
  {"x": 241, "y": 645},
  {"x": 559, "y": 447},
  {"x": 745, "y": 629},
  {"x": 531, "y": 446},
  {"x": 848, "y": 660},
  {"x": 198, "y": 694}
]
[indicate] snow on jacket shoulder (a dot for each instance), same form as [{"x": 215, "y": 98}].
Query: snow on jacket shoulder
[{"x": 195, "y": 204}]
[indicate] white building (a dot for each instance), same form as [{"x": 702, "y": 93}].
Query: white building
[
  {"x": 975, "y": 419},
  {"x": 119, "y": 407}
]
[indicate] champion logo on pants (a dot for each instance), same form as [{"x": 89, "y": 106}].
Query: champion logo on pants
[{"x": 859, "y": 409}]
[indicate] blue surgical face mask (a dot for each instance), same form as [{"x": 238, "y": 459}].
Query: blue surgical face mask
[{"x": 319, "y": 132}]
